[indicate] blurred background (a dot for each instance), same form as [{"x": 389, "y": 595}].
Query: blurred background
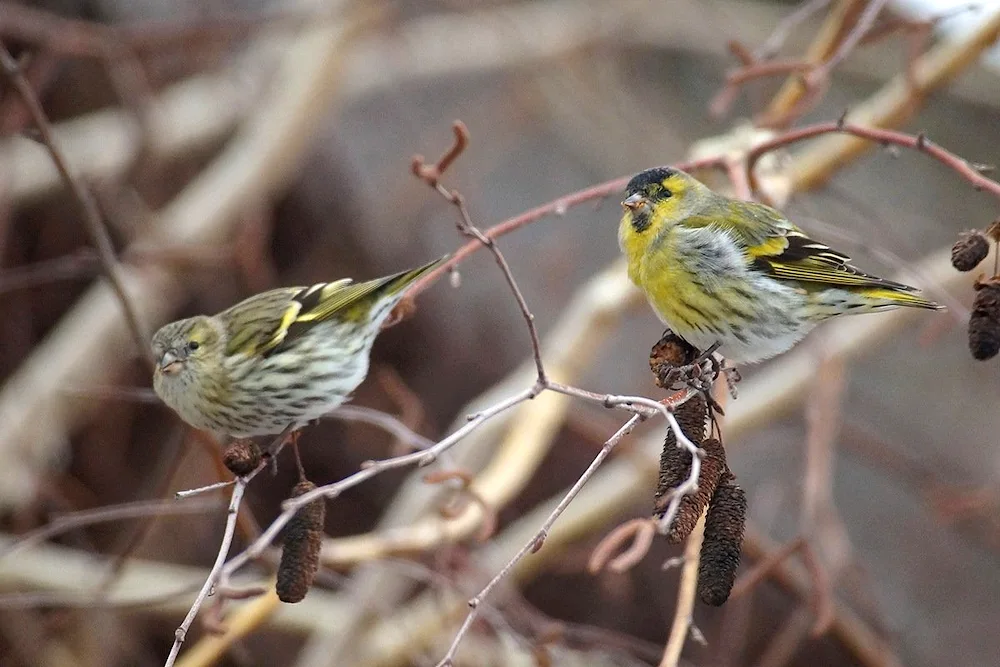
[{"x": 232, "y": 146}]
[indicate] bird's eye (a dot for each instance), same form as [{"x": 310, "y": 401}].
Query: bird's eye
[
  {"x": 194, "y": 345},
  {"x": 666, "y": 193}
]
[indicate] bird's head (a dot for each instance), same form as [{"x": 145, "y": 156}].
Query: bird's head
[
  {"x": 186, "y": 347},
  {"x": 655, "y": 199}
]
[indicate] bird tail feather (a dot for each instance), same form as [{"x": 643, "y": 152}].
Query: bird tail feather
[{"x": 894, "y": 297}]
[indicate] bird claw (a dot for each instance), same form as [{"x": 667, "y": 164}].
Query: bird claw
[
  {"x": 702, "y": 373},
  {"x": 676, "y": 364}
]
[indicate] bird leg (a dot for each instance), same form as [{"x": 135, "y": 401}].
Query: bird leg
[
  {"x": 676, "y": 363},
  {"x": 715, "y": 367},
  {"x": 674, "y": 360},
  {"x": 289, "y": 435},
  {"x": 671, "y": 359}
]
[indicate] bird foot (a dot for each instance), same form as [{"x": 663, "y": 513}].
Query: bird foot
[{"x": 677, "y": 364}]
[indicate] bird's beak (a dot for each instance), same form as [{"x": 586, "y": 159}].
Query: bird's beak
[
  {"x": 634, "y": 201},
  {"x": 169, "y": 363}
]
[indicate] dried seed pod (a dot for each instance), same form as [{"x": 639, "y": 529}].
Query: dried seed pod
[
  {"x": 669, "y": 353},
  {"x": 720, "y": 551},
  {"x": 984, "y": 325},
  {"x": 242, "y": 457},
  {"x": 300, "y": 552},
  {"x": 969, "y": 250}
]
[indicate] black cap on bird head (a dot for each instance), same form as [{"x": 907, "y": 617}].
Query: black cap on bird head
[{"x": 644, "y": 179}]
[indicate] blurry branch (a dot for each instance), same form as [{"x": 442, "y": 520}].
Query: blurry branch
[
  {"x": 812, "y": 73},
  {"x": 895, "y": 103},
  {"x": 846, "y": 625},
  {"x": 926, "y": 480},
  {"x": 68, "y": 577},
  {"x": 213, "y": 648},
  {"x": 202, "y": 110},
  {"x": 83, "y": 349},
  {"x": 96, "y": 229},
  {"x": 970, "y": 172},
  {"x": 785, "y": 27},
  {"x": 40, "y": 70},
  {"x": 384, "y": 421},
  {"x": 846, "y": 45},
  {"x": 81, "y": 38},
  {"x": 100, "y": 146},
  {"x": 89, "y": 39},
  {"x": 818, "y": 590},
  {"x": 681, "y": 626},
  {"x": 819, "y": 521},
  {"x": 82, "y": 263},
  {"x": 65, "y": 522},
  {"x": 840, "y": 20}
]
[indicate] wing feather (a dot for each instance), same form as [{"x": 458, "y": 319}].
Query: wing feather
[
  {"x": 780, "y": 249},
  {"x": 261, "y": 324}
]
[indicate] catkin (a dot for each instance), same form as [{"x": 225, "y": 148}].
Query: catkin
[
  {"x": 713, "y": 469},
  {"x": 984, "y": 324},
  {"x": 720, "y": 550},
  {"x": 675, "y": 462},
  {"x": 300, "y": 551}
]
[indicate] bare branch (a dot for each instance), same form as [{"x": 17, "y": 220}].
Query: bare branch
[{"x": 98, "y": 232}]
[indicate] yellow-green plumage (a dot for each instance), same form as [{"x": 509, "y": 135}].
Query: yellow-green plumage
[
  {"x": 277, "y": 359},
  {"x": 737, "y": 273}
]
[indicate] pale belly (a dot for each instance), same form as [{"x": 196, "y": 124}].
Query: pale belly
[{"x": 775, "y": 324}]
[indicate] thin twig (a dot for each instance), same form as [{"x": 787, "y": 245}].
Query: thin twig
[
  {"x": 215, "y": 574},
  {"x": 917, "y": 142},
  {"x": 537, "y": 540},
  {"x": 96, "y": 228},
  {"x": 431, "y": 175},
  {"x": 227, "y": 539},
  {"x": 187, "y": 493},
  {"x": 370, "y": 469}
]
